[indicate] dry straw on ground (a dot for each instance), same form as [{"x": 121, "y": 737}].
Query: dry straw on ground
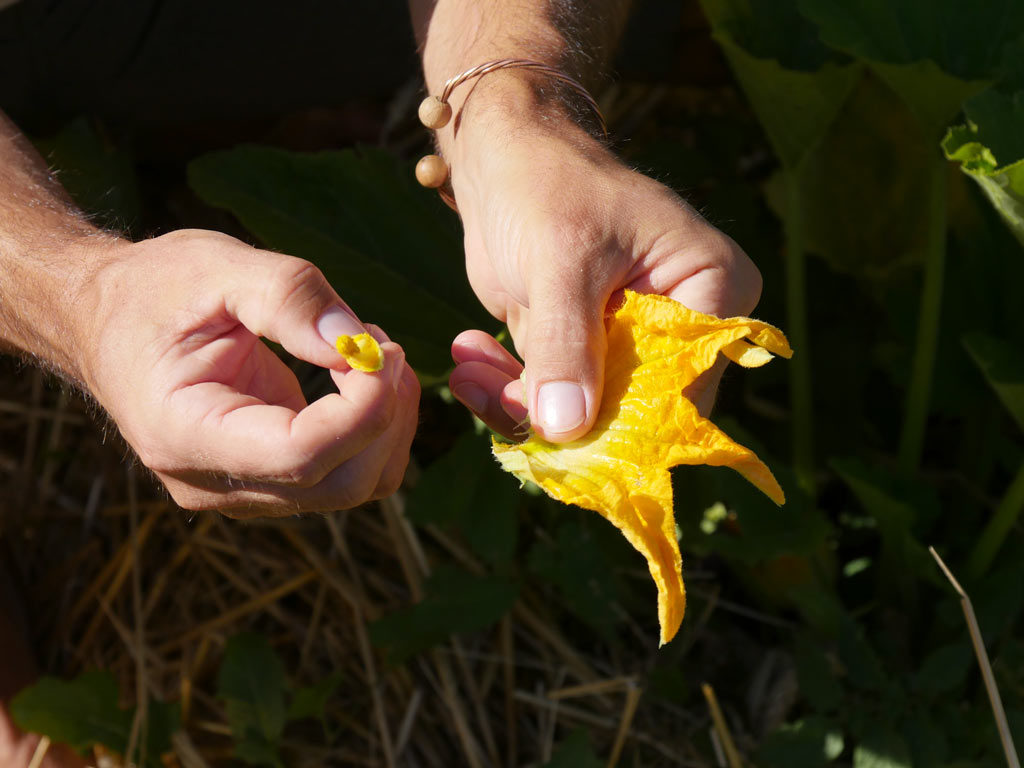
[{"x": 116, "y": 576}]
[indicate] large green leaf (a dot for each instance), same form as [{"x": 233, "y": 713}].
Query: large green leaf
[
  {"x": 388, "y": 247},
  {"x": 1003, "y": 368},
  {"x": 456, "y": 602},
  {"x": 79, "y": 712},
  {"x": 467, "y": 490},
  {"x": 251, "y": 681},
  {"x": 934, "y": 53},
  {"x": 861, "y": 186},
  {"x": 84, "y": 711},
  {"x": 794, "y": 84},
  {"x": 990, "y": 149}
]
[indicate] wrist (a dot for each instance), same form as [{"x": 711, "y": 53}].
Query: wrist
[
  {"x": 47, "y": 305},
  {"x": 515, "y": 116}
]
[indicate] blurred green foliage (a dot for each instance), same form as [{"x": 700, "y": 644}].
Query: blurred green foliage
[{"x": 85, "y": 711}]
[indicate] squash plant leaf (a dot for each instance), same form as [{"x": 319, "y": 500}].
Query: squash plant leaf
[
  {"x": 84, "y": 711},
  {"x": 456, "y": 602},
  {"x": 1001, "y": 365},
  {"x": 990, "y": 149},
  {"x": 79, "y": 712},
  {"x": 860, "y": 186},
  {"x": 251, "y": 682},
  {"x": 934, "y": 53},
  {"x": 483, "y": 504},
  {"x": 386, "y": 244},
  {"x": 794, "y": 83}
]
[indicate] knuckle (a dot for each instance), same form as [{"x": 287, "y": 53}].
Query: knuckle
[
  {"x": 303, "y": 471},
  {"x": 377, "y": 418},
  {"x": 294, "y": 281},
  {"x": 391, "y": 480}
]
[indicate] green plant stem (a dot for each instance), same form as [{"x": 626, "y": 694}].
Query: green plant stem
[
  {"x": 994, "y": 534},
  {"x": 919, "y": 394},
  {"x": 800, "y": 366}
]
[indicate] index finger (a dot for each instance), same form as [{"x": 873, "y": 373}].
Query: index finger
[{"x": 247, "y": 438}]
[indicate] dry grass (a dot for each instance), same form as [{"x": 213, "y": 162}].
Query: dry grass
[{"x": 119, "y": 578}]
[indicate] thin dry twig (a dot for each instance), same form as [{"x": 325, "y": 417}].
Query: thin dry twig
[
  {"x": 732, "y": 754},
  {"x": 986, "y": 668}
]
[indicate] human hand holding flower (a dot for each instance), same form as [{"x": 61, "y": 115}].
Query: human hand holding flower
[
  {"x": 172, "y": 351},
  {"x": 555, "y": 229}
]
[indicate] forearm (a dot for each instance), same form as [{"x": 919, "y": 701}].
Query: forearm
[
  {"x": 42, "y": 257},
  {"x": 575, "y": 36}
]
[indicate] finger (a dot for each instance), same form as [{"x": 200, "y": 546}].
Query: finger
[
  {"x": 394, "y": 472},
  {"x": 564, "y": 352},
  {"x": 477, "y": 346},
  {"x": 479, "y": 387},
  {"x": 374, "y": 472},
  {"x": 253, "y": 441},
  {"x": 513, "y": 402},
  {"x": 289, "y": 301},
  {"x": 706, "y": 271}
]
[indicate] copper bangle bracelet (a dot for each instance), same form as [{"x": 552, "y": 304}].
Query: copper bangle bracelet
[{"x": 435, "y": 112}]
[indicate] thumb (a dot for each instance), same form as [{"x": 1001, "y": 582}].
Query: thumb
[
  {"x": 565, "y": 355},
  {"x": 288, "y": 300}
]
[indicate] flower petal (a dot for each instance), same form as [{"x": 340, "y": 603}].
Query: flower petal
[
  {"x": 656, "y": 348},
  {"x": 361, "y": 351}
]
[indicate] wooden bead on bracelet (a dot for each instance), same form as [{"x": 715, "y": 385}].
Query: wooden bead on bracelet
[
  {"x": 431, "y": 171},
  {"x": 435, "y": 113}
]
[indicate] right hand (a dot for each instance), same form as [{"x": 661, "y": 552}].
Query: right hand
[{"x": 168, "y": 341}]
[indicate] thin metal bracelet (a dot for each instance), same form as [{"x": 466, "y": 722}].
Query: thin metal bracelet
[{"x": 435, "y": 112}]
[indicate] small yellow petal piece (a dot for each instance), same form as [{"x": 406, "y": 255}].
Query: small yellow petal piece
[
  {"x": 746, "y": 354},
  {"x": 656, "y": 348},
  {"x": 362, "y": 352}
]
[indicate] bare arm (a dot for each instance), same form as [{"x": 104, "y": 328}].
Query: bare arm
[
  {"x": 165, "y": 335},
  {"x": 555, "y": 225},
  {"x": 43, "y": 264}
]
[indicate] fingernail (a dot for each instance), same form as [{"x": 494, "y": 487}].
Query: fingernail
[
  {"x": 471, "y": 396},
  {"x": 473, "y": 349},
  {"x": 397, "y": 370},
  {"x": 335, "y": 322},
  {"x": 561, "y": 405}
]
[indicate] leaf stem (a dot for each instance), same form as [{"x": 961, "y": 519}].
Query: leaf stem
[
  {"x": 994, "y": 533},
  {"x": 796, "y": 300},
  {"x": 919, "y": 394}
]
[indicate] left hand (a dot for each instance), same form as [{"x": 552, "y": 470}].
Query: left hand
[{"x": 555, "y": 228}]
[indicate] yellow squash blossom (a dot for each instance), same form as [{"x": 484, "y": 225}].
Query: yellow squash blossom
[
  {"x": 362, "y": 352},
  {"x": 656, "y": 348}
]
